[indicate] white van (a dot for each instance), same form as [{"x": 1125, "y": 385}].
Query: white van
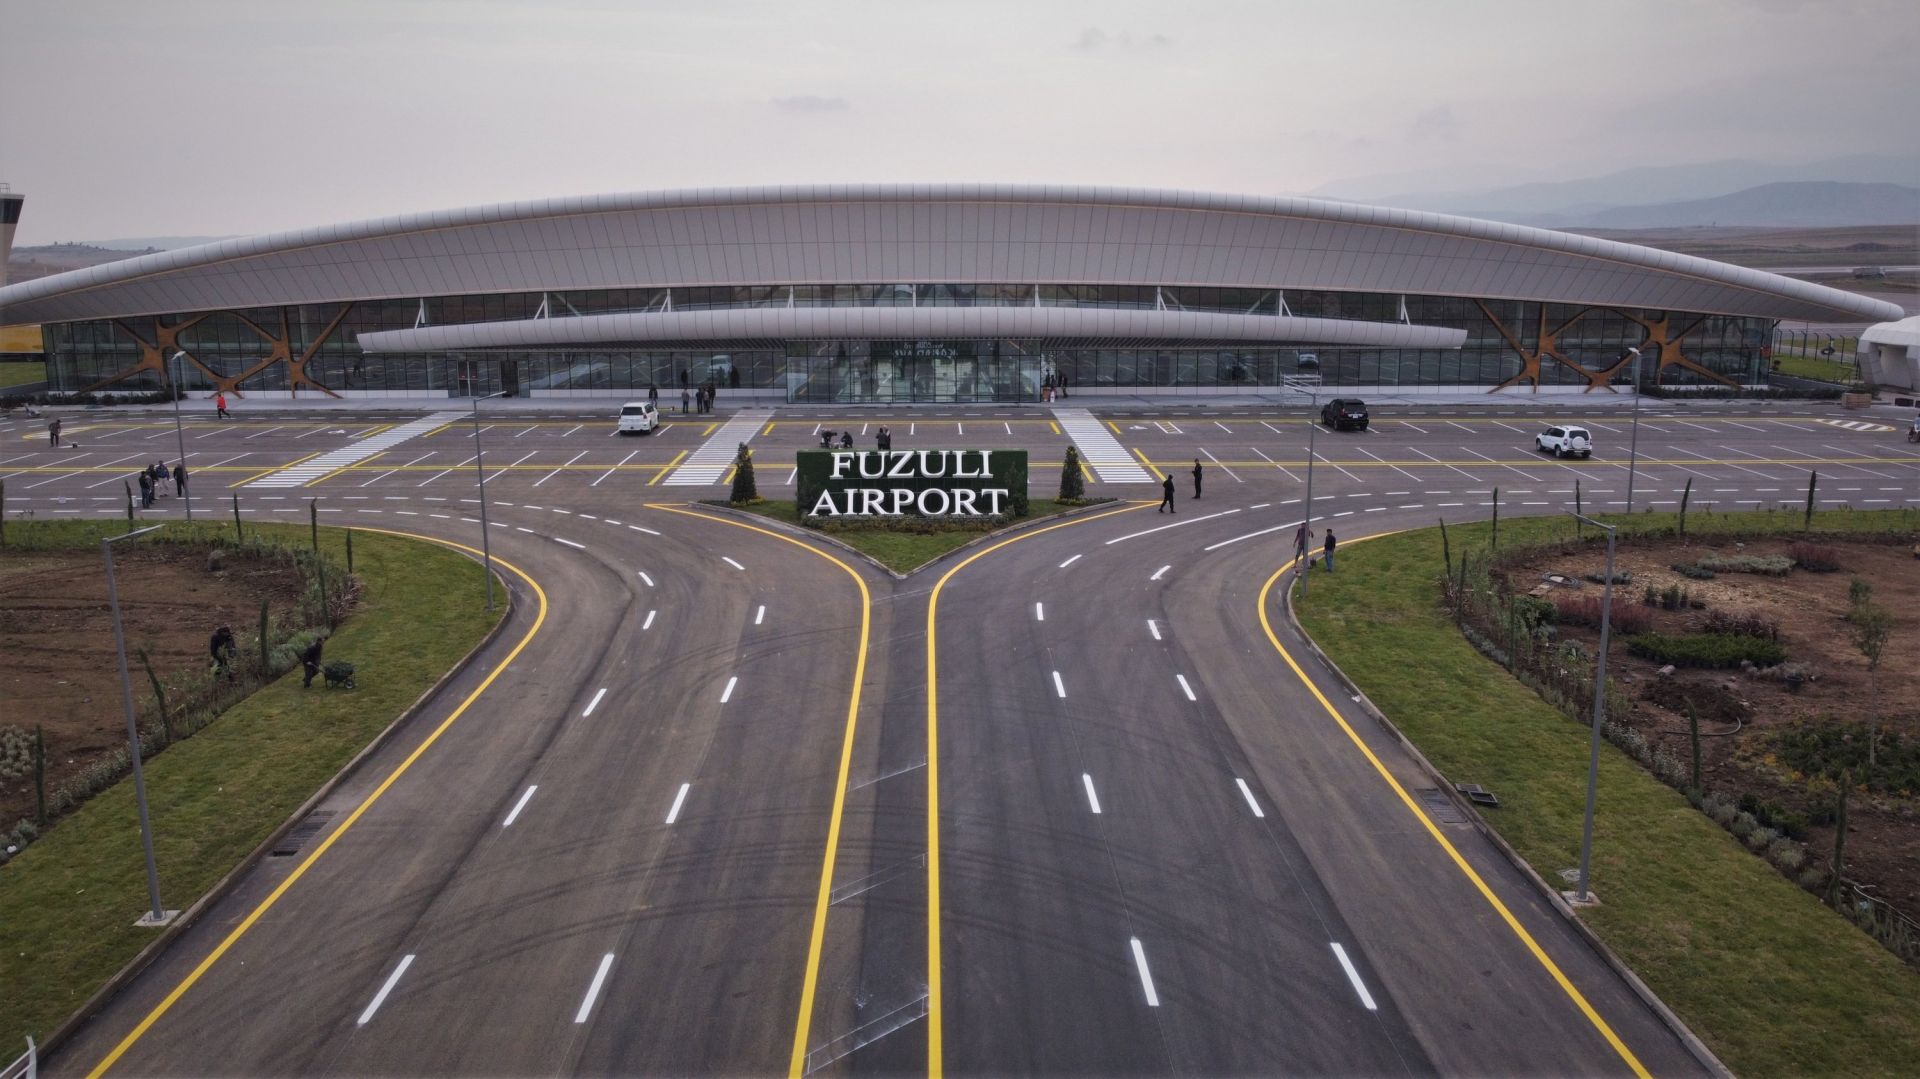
[{"x": 638, "y": 417}]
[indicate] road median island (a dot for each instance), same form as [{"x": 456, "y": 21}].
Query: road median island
[
  {"x": 1773, "y": 981},
  {"x": 68, "y": 902}
]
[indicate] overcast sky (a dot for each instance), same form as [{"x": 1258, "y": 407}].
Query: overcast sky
[{"x": 169, "y": 117}]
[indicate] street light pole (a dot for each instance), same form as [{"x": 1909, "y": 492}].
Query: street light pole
[
  {"x": 1633, "y": 453},
  {"x": 486, "y": 538},
  {"x": 1599, "y": 712},
  {"x": 179, "y": 433},
  {"x": 1313, "y": 431},
  {"x": 157, "y": 915}
]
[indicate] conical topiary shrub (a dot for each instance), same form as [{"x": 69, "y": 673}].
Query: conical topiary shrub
[
  {"x": 1073, "y": 485},
  {"x": 743, "y": 487}
]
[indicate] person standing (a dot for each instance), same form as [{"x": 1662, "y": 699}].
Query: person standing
[
  {"x": 223, "y": 649},
  {"x": 220, "y": 405},
  {"x": 1166, "y": 495},
  {"x": 310, "y": 659},
  {"x": 653, "y": 396},
  {"x": 1329, "y": 550},
  {"x": 884, "y": 439},
  {"x": 146, "y": 489},
  {"x": 1300, "y": 540},
  {"x": 180, "y": 479},
  {"x": 1062, "y": 386},
  {"x": 1196, "y": 477},
  {"x": 53, "y": 432},
  {"x": 684, "y": 397}
]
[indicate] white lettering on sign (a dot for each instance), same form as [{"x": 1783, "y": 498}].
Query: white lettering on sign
[{"x": 898, "y": 501}]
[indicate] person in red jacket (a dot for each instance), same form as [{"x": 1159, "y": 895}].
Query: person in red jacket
[{"x": 220, "y": 405}]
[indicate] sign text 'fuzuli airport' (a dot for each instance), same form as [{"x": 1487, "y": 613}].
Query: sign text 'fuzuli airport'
[{"x": 912, "y": 483}]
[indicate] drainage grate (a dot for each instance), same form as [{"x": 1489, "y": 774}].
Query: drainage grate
[
  {"x": 1440, "y": 807},
  {"x": 291, "y": 843}
]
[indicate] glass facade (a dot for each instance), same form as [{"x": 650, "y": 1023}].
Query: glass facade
[{"x": 264, "y": 349}]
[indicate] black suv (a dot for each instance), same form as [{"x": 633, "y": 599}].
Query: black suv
[{"x": 1344, "y": 412}]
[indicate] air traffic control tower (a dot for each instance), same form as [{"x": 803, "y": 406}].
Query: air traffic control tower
[{"x": 9, "y": 217}]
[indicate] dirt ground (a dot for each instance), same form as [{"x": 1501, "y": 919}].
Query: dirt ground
[
  {"x": 57, "y": 662},
  {"x": 1883, "y": 847}
]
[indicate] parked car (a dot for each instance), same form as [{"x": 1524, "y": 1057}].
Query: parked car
[
  {"x": 1344, "y": 412},
  {"x": 1307, "y": 361},
  {"x": 1564, "y": 442},
  {"x": 638, "y": 417}
]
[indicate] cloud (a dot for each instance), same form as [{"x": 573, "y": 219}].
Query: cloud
[
  {"x": 812, "y": 104},
  {"x": 1437, "y": 124},
  {"x": 1094, "y": 39}
]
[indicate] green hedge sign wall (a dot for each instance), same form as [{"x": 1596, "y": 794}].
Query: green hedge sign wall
[{"x": 866, "y": 484}]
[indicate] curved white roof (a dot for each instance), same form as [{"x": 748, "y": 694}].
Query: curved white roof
[{"x": 921, "y": 233}]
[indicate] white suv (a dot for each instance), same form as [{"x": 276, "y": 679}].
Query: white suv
[
  {"x": 638, "y": 417},
  {"x": 1565, "y": 442}
]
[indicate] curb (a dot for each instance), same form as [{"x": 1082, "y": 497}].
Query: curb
[
  {"x": 225, "y": 885},
  {"x": 1674, "y": 1023}
]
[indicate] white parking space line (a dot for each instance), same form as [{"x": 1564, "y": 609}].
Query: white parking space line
[
  {"x": 615, "y": 468},
  {"x": 760, "y": 615},
  {"x": 557, "y": 471},
  {"x": 594, "y": 703},
  {"x": 1353, "y": 976},
  {"x": 1093, "y": 799},
  {"x": 518, "y": 806},
  {"x": 678, "y": 801},
  {"x": 593, "y": 991},
  {"x": 1325, "y": 460},
  {"x": 727, "y": 693},
  {"x": 1383, "y": 461},
  {"x": 1185, "y": 688},
  {"x": 1146, "y": 976},
  {"x": 1153, "y": 628},
  {"x": 1059, "y": 688},
  {"x": 1510, "y": 468},
  {"x": 1248, "y": 794},
  {"x": 1443, "y": 464},
  {"x": 1223, "y": 468},
  {"x": 385, "y": 988},
  {"x": 1276, "y": 464}
]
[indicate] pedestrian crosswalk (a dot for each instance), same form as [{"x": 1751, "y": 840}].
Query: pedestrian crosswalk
[
  {"x": 711, "y": 461},
  {"x": 1102, "y": 452},
  {"x": 305, "y": 472},
  {"x": 1859, "y": 425}
]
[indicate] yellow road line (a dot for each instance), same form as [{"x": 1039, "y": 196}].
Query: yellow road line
[
  {"x": 1433, "y": 830},
  {"x": 344, "y": 468},
  {"x": 709, "y": 430},
  {"x": 728, "y": 478},
  {"x": 935, "y": 1035},
  {"x": 768, "y": 429},
  {"x": 1115, "y": 426},
  {"x": 797, "y": 1063},
  {"x": 273, "y": 897},
  {"x": 1157, "y": 474},
  {"x": 275, "y": 468},
  {"x": 1054, "y": 425},
  {"x": 666, "y": 468}
]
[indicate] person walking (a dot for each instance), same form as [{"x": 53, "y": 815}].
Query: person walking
[
  {"x": 653, "y": 395},
  {"x": 1300, "y": 540},
  {"x": 223, "y": 649},
  {"x": 180, "y": 479},
  {"x": 53, "y": 432},
  {"x": 1166, "y": 496},
  {"x": 310, "y": 659},
  {"x": 161, "y": 474},
  {"x": 220, "y": 406},
  {"x": 1329, "y": 550},
  {"x": 1061, "y": 386},
  {"x": 1196, "y": 477}
]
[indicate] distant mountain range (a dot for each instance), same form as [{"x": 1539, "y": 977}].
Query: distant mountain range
[{"x": 1865, "y": 189}]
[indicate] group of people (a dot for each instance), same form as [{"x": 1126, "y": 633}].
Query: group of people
[
  {"x": 1054, "y": 386},
  {"x": 882, "y": 439},
  {"x": 1166, "y": 487},
  {"x": 155, "y": 475},
  {"x": 223, "y": 648}
]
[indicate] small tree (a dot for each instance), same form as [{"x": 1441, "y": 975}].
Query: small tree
[
  {"x": 1073, "y": 485},
  {"x": 1685, "y": 497},
  {"x": 1693, "y": 740},
  {"x": 40, "y": 774},
  {"x": 1872, "y": 625},
  {"x": 743, "y": 485},
  {"x": 1839, "y": 839},
  {"x": 159, "y": 697},
  {"x": 266, "y": 650}
]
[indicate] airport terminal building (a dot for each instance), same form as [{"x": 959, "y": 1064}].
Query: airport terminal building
[{"x": 911, "y": 293}]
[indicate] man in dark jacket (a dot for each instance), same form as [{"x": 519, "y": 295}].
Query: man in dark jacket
[
  {"x": 1166, "y": 495},
  {"x": 1196, "y": 477},
  {"x": 1329, "y": 549},
  {"x": 180, "y": 479},
  {"x": 223, "y": 649},
  {"x": 310, "y": 659}
]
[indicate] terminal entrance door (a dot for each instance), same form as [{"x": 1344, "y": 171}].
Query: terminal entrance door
[{"x": 913, "y": 372}]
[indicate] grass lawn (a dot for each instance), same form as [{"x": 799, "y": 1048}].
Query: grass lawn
[
  {"x": 68, "y": 902},
  {"x": 1774, "y": 982},
  {"x": 19, "y": 374},
  {"x": 904, "y": 552},
  {"x": 1814, "y": 367}
]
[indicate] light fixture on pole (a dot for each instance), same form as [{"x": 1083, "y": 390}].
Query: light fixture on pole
[
  {"x": 157, "y": 915},
  {"x": 1633, "y": 451},
  {"x": 1581, "y": 894},
  {"x": 1306, "y": 524},
  {"x": 486, "y": 540},
  {"x": 179, "y": 432}
]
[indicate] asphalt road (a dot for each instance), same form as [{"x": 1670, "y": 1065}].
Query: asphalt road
[{"x": 707, "y": 816}]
